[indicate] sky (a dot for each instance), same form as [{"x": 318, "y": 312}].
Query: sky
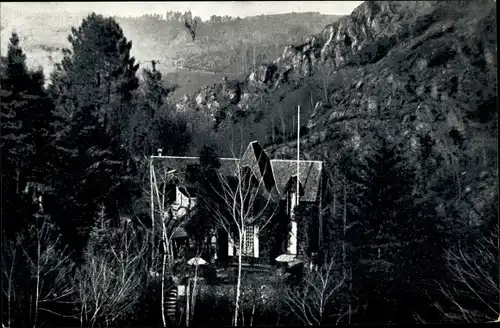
[{"x": 203, "y": 9}]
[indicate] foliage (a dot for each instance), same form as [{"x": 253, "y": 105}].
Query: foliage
[
  {"x": 307, "y": 228},
  {"x": 390, "y": 243},
  {"x": 167, "y": 131},
  {"x": 93, "y": 92},
  {"x": 25, "y": 123},
  {"x": 99, "y": 64},
  {"x": 95, "y": 170},
  {"x": 205, "y": 180},
  {"x": 223, "y": 44},
  {"x": 407, "y": 135}
]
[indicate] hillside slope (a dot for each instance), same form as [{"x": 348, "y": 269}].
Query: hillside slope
[
  {"x": 409, "y": 37},
  {"x": 412, "y": 70},
  {"x": 222, "y": 45}
]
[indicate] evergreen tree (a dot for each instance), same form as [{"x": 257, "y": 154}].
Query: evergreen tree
[
  {"x": 96, "y": 173},
  {"x": 26, "y": 128},
  {"x": 394, "y": 245},
  {"x": 205, "y": 179},
  {"x": 155, "y": 93},
  {"x": 93, "y": 91},
  {"x": 16, "y": 150},
  {"x": 154, "y": 125},
  {"x": 98, "y": 73}
]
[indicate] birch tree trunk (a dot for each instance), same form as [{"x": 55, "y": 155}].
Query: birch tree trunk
[
  {"x": 238, "y": 282},
  {"x": 37, "y": 290},
  {"x": 8, "y": 271},
  {"x": 193, "y": 294},
  {"x": 188, "y": 295},
  {"x": 164, "y": 263}
]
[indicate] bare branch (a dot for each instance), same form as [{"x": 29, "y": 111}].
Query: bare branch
[
  {"x": 109, "y": 278},
  {"x": 310, "y": 300},
  {"x": 474, "y": 294}
]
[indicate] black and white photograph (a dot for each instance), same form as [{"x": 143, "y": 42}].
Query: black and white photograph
[{"x": 249, "y": 163}]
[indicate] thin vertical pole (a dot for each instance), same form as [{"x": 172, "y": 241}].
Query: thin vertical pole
[
  {"x": 320, "y": 223},
  {"x": 152, "y": 212},
  {"x": 298, "y": 152}
]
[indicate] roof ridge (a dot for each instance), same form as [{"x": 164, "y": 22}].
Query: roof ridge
[
  {"x": 191, "y": 157},
  {"x": 294, "y": 160},
  {"x": 237, "y": 159},
  {"x": 175, "y": 157}
]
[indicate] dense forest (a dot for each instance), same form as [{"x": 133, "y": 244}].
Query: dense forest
[
  {"x": 224, "y": 44},
  {"x": 408, "y": 139}
]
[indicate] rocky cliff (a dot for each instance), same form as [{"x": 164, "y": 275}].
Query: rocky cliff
[
  {"x": 423, "y": 47},
  {"x": 418, "y": 72},
  {"x": 424, "y": 64}
]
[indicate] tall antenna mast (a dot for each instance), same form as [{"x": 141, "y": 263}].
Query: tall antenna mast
[{"x": 298, "y": 151}]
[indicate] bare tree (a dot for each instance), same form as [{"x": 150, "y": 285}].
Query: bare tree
[
  {"x": 310, "y": 300},
  {"x": 50, "y": 266},
  {"x": 335, "y": 184},
  {"x": 474, "y": 291},
  {"x": 109, "y": 279},
  {"x": 241, "y": 203},
  {"x": 10, "y": 257},
  {"x": 192, "y": 292},
  {"x": 168, "y": 216}
]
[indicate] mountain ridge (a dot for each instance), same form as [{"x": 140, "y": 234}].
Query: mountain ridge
[{"x": 154, "y": 38}]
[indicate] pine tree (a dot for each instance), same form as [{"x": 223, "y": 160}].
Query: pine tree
[
  {"x": 155, "y": 92},
  {"x": 98, "y": 72},
  {"x": 204, "y": 178},
  {"x": 391, "y": 242},
  {"x": 26, "y": 128},
  {"x": 93, "y": 91},
  {"x": 16, "y": 150},
  {"x": 95, "y": 172},
  {"x": 153, "y": 118}
]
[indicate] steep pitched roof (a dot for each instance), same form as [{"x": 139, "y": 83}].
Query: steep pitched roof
[
  {"x": 257, "y": 160},
  {"x": 276, "y": 173},
  {"x": 309, "y": 176}
]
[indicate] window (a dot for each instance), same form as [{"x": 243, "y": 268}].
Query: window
[{"x": 250, "y": 242}]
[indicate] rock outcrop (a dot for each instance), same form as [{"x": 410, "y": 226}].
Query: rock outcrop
[{"x": 417, "y": 36}]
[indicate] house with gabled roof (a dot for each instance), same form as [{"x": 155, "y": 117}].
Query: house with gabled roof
[{"x": 279, "y": 183}]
